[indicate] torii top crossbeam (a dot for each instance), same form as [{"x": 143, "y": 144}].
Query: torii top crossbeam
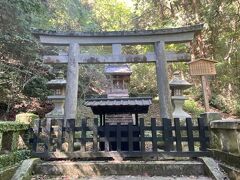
[
  {"x": 116, "y": 39},
  {"x": 168, "y": 35}
]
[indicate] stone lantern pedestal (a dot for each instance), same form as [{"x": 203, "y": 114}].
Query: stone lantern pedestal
[
  {"x": 178, "y": 112},
  {"x": 177, "y": 86}
]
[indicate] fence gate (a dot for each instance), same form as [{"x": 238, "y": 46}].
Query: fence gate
[{"x": 175, "y": 138}]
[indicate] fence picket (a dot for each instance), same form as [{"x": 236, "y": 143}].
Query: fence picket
[
  {"x": 130, "y": 137},
  {"x": 60, "y": 123},
  {"x": 142, "y": 135},
  {"x": 48, "y": 142},
  {"x": 95, "y": 135},
  {"x": 106, "y": 140},
  {"x": 83, "y": 135},
  {"x": 119, "y": 137},
  {"x": 167, "y": 134},
  {"x": 190, "y": 134},
  {"x": 36, "y": 134},
  {"x": 202, "y": 135},
  {"x": 70, "y": 132},
  {"x": 178, "y": 134},
  {"x": 154, "y": 134}
]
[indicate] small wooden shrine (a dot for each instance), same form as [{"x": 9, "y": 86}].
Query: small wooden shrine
[
  {"x": 118, "y": 78},
  {"x": 118, "y": 107}
]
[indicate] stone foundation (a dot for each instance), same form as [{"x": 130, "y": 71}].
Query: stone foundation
[{"x": 227, "y": 134}]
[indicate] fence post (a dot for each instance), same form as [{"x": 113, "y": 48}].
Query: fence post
[
  {"x": 202, "y": 135},
  {"x": 119, "y": 136},
  {"x": 106, "y": 135},
  {"x": 130, "y": 137},
  {"x": 190, "y": 134},
  {"x": 48, "y": 130},
  {"x": 154, "y": 134},
  {"x": 60, "y": 123},
  {"x": 167, "y": 134},
  {"x": 178, "y": 134},
  {"x": 36, "y": 133},
  {"x": 142, "y": 135},
  {"x": 70, "y": 124},
  {"x": 83, "y": 135},
  {"x": 95, "y": 135}
]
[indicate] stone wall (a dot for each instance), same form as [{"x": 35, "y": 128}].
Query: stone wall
[{"x": 227, "y": 135}]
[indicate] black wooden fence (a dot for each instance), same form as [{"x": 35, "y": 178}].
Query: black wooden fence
[{"x": 182, "y": 139}]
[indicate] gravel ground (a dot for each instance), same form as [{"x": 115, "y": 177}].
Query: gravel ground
[{"x": 40, "y": 177}]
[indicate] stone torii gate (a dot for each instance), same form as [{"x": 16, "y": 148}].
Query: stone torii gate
[{"x": 117, "y": 39}]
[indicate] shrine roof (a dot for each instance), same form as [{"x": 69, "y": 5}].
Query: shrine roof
[
  {"x": 119, "y": 105},
  {"x": 118, "y": 69}
]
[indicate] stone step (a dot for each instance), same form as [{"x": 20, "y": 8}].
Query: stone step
[
  {"x": 37, "y": 177},
  {"x": 124, "y": 168}
]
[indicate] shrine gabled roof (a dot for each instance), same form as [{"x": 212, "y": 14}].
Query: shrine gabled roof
[
  {"x": 118, "y": 69},
  {"x": 119, "y": 105},
  {"x": 139, "y": 101}
]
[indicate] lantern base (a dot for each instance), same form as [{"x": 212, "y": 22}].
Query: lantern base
[{"x": 178, "y": 112}]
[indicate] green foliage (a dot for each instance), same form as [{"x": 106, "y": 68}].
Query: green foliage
[
  {"x": 18, "y": 50},
  {"x": 37, "y": 87},
  {"x": 192, "y": 107},
  {"x": 143, "y": 80},
  {"x": 238, "y": 108},
  {"x": 69, "y": 15},
  {"x": 13, "y": 158},
  {"x": 12, "y": 126},
  {"x": 91, "y": 80},
  {"x": 112, "y": 15},
  {"x": 225, "y": 104}
]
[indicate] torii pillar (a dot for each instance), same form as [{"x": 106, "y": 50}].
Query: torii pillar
[
  {"x": 70, "y": 107},
  {"x": 162, "y": 80}
]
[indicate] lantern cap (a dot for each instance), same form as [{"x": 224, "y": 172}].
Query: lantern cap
[
  {"x": 57, "y": 83},
  {"x": 178, "y": 83}
]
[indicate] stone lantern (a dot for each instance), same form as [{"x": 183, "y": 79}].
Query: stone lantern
[
  {"x": 177, "y": 86},
  {"x": 58, "y": 86}
]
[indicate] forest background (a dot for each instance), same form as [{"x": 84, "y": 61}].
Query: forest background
[{"x": 23, "y": 76}]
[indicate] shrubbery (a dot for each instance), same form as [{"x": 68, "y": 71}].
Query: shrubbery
[{"x": 192, "y": 107}]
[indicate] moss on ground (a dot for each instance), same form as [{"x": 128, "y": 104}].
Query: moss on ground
[{"x": 13, "y": 158}]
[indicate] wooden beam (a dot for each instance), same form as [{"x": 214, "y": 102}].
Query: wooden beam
[
  {"x": 162, "y": 81},
  {"x": 168, "y": 35},
  {"x": 130, "y": 58},
  {"x": 205, "y": 95}
]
